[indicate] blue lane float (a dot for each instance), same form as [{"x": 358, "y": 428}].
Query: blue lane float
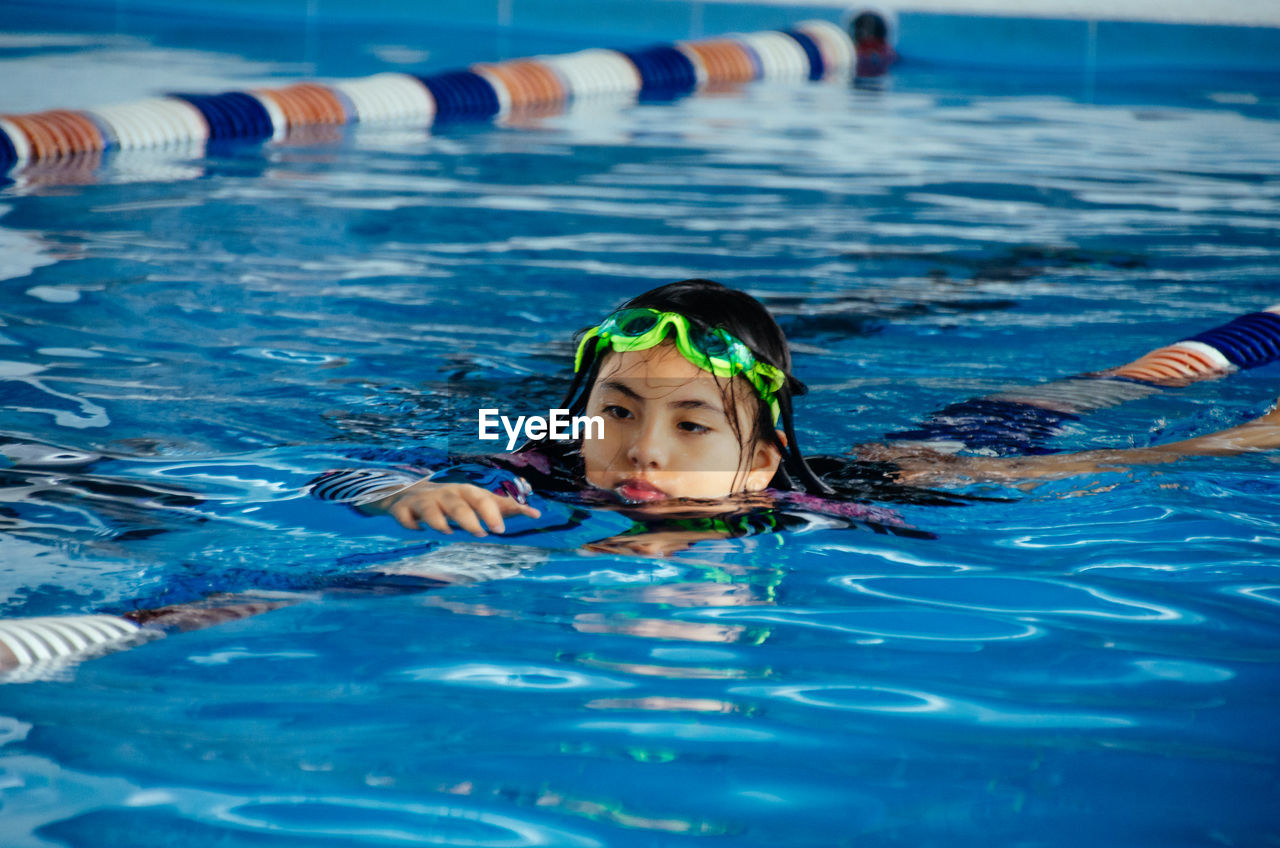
[
  {"x": 232, "y": 115},
  {"x": 810, "y": 47},
  {"x": 462, "y": 95},
  {"x": 1248, "y": 341},
  {"x": 664, "y": 71},
  {"x": 8, "y": 155}
]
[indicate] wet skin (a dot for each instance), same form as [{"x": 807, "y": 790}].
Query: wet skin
[{"x": 668, "y": 431}]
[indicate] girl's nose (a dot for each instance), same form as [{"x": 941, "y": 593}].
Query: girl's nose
[{"x": 648, "y": 450}]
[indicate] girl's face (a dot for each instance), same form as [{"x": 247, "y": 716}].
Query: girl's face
[{"x": 667, "y": 431}]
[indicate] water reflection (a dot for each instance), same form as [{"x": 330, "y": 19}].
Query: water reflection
[
  {"x": 492, "y": 676},
  {"x": 888, "y": 700},
  {"x": 1024, "y": 596},
  {"x": 678, "y": 672},
  {"x": 660, "y": 628},
  {"x": 662, "y": 703}
]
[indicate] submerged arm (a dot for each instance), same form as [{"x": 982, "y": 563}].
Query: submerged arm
[{"x": 929, "y": 467}]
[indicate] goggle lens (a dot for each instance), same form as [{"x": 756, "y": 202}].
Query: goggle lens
[
  {"x": 636, "y": 322},
  {"x": 713, "y": 344}
]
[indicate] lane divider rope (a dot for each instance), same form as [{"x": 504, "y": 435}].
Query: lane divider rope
[{"x": 812, "y": 50}]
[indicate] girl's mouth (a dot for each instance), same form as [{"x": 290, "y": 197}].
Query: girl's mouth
[{"x": 636, "y": 490}]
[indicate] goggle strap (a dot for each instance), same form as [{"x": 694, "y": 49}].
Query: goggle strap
[{"x": 582, "y": 346}]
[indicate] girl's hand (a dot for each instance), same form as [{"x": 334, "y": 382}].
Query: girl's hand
[{"x": 437, "y": 504}]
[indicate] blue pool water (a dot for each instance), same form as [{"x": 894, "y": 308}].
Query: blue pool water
[{"x": 1088, "y": 660}]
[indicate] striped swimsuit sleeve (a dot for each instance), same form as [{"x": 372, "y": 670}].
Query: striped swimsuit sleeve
[
  {"x": 360, "y": 486},
  {"x": 45, "y": 646}
]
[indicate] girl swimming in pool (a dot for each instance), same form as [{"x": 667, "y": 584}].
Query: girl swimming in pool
[{"x": 694, "y": 383}]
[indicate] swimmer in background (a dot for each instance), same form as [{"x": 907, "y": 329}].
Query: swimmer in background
[
  {"x": 870, "y": 35},
  {"x": 694, "y": 383}
]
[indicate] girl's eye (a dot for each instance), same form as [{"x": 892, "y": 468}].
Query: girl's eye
[
  {"x": 693, "y": 427},
  {"x": 614, "y": 411}
]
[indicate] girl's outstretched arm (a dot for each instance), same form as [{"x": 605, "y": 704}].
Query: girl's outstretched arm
[
  {"x": 414, "y": 500},
  {"x": 439, "y": 504},
  {"x": 928, "y": 467}
]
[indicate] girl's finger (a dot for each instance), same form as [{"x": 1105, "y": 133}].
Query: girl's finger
[
  {"x": 405, "y": 516},
  {"x": 434, "y": 518},
  {"x": 464, "y": 515},
  {"x": 488, "y": 510},
  {"x": 510, "y": 507}
]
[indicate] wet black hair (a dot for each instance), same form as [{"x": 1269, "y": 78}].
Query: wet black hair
[{"x": 713, "y": 305}]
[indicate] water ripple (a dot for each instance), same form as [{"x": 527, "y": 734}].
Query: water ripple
[
  {"x": 388, "y": 822},
  {"x": 916, "y": 703},
  {"x": 924, "y": 625},
  {"x": 1015, "y": 595},
  {"x": 703, "y": 731},
  {"x": 527, "y": 677},
  {"x": 1269, "y": 593}
]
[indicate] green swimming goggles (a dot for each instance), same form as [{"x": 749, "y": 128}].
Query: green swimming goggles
[{"x": 712, "y": 349}]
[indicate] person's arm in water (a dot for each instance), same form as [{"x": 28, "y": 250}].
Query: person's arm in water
[
  {"x": 438, "y": 504},
  {"x": 929, "y": 467},
  {"x": 414, "y": 500}
]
